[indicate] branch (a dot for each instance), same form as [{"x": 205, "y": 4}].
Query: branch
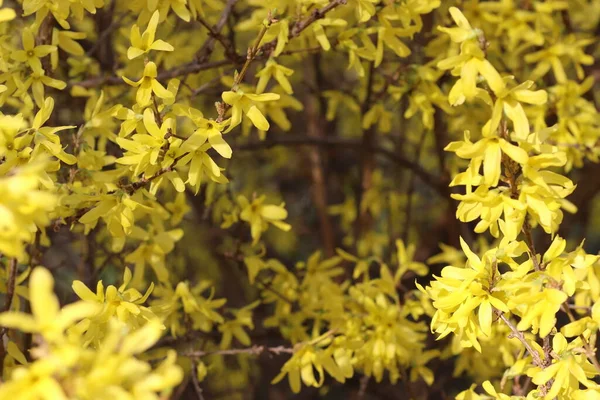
[
  {"x": 433, "y": 181},
  {"x": 189, "y": 68},
  {"x": 196, "y": 382},
  {"x": 315, "y": 15},
  {"x": 10, "y": 284},
  {"x": 10, "y": 289},
  {"x": 195, "y": 66},
  {"x": 298, "y": 27},
  {"x": 590, "y": 352},
  {"x": 254, "y": 350},
  {"x": 132, "y": 187},
  {"x": 215, "y": 34},
  {"x": 519, "y": 335}
]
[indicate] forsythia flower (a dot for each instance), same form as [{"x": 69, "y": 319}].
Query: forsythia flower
[
  {"x": 32, "y": 53},
  {"x": 259, "y": 216},
  {"x": 121, "y": 303},
  {"x": 148, "y": 85},
  {"x": 244, "y": 103},
  {"x": 48, "y": 319},
  {"x": 24, "y": 207},
  {"x": 141, "y": 44},
  {"x": 276, "y": 71}
]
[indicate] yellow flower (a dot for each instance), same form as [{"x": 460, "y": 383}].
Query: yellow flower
[
  {"x": 490, "y": 151},
  {"x": 208, "y": 130},
  {"x": 463, "y": 31},
  {"x": 120, "y": 303},
  {"x": 141, "y": 44},
  {"x": 65, "y": 40},
  {"x": 319, "y": 32},
  {"x": 259, "y": 216},
  {"x": 37, "y": 81},
  {"x": 241, "y": 102},
  {"x": 274, "y": 70},
  {"x": 508, "y": 103},
  {"x": 6, "y": 14},
  {"x": 235, "y": 327},
  {"x": 23, "y": 207},
  {"x": 567, "y": 371},
  {"x": 47, "y": 318},
  {"x": 32, "y": 53},
  {"x": 148, "y": 85},
  {"x": 178, "y": 208}
]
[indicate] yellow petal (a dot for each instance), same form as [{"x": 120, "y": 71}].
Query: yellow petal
[{"x": 257, "y": 118}]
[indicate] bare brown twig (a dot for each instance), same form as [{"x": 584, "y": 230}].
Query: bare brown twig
[
  {"x": 253, "y": 350},
  {"x": 537, "y": 360},
  {"x": 427, "y": 178}
]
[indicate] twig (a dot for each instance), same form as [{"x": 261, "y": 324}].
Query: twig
[
  {"x": 410, "y": 191},
  {"x": 417, "y": 169},
  {"x": 274, "y": 291},
  {"x": 519, "y": 335},
  {"x": 132, "y": 187},
  {"x": 215, "y": 34},
  {"x": 254, "y": 350},
  {"x": 589, "y": 351},
  {"x": 367, "y": 164},
  {"x": 181, "y": 70},
  {"x": 252, "y": 52},
  {"x": 10, "y": 287},
  {"x": 315, "y": 15},
  {"x": 196, "y": 382},
  {"x": 10, "y": 284},
  {"x": 106, "y": 32},
  {"x": 362, "y": 389},
  {"x": 531, "y": 245}
]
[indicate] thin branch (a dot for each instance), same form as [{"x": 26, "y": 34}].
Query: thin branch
[
  {"x": 10, "y": 284},
  {"x": 215, "y": 34},
  {"x": 195, "y": 66},
  {"x": 590, "y": 352},
  {"x": 531, "y": 245},
  {"x": 254, "y": 350},
  {"x": 367, "y": 164},
  {"x": 181, "y": 70},
  {"x": 11, "y": 280},
  {"x": 411, "y": 190},
  {"x": 196, "y": 382},
  {"x": 132, "y": 187},
  {"x": 427, "y": 178},
  {"x": 315, "y": 15},
  {"x": 106, "y": 32},
  {"x": 537, "y": 360}
]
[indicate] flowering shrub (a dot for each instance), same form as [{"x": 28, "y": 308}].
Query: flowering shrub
[{"x": 205, "y": 198}]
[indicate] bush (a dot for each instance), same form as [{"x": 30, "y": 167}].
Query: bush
[{"x": 356, "y": 198}]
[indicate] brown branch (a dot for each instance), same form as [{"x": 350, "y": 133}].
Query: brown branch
[
  {"x": 189, "y": 68},
  {"x": 537, "y": 360},
  {"x": 315, "y": 15},
  {"x": 427, "y": 178},
  {"x": 207, "y": 48},
  {"x": 254, "y": 350},
  {"x": 132, "y": 187},
  {"x": 410, "y": 192},
  {"x": 531, "y": 245},
  {"x": 252, "y": 52},
  {"x": 196, "y": 382},
  {"x": 10, "y": 285},
  {"x": 194, "y": 66},
  {"x": 317, "y": 169},
  {"x": 367, "y": 163}
]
